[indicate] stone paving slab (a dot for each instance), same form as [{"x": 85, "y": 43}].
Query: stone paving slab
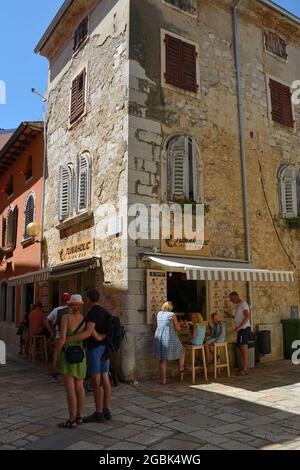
[{"x": 260, "y": 411}]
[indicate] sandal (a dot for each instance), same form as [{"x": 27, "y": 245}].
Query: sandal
[
  {"x": 68, "y": 425},
  {"x": 79, "y": 420},
  {"x": 242, "y": 373}
]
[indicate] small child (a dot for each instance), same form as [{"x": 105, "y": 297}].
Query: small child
[
  {"x": 217, "y": 328},
  {"x": 198, "y": 328}
]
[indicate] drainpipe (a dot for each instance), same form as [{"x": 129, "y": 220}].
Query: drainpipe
[{"x": 242, "y": 143}]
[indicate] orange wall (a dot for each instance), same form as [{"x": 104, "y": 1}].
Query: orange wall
[{"x": 24, "y": 259}]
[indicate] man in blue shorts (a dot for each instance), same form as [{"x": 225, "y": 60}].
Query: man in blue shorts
[
  {"x": 242, "y": 328},
  {"x": 97, "y": 362}
]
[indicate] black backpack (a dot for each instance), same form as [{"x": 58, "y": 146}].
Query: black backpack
[
  {"x": 60, "y": 314},
  {"x": 115, "y": 334}
]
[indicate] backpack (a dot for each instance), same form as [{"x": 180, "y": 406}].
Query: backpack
[
  {"x": 60, "y": 314},
  {"x": 115, "y": 334}
]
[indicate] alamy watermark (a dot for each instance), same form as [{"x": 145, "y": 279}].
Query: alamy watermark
[
  {"x": 296, "y": 354},
  {"x": 2, "y": 92},
  {"x": 2, "y": 353}
]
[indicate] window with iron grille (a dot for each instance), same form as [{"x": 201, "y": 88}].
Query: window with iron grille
[
  {"x": 181, "y": 64},
  {"x": 78, "y": 96},
  {"x": 183, "y": 169},
  {"x": 81, "y": 33},
  {"x": 190, "y": 6},
  {"x": 83, "y": 183},
  {"x": 281, "y": 101},
  {"x": 28, "y": 170},
  {"x": 66, "y": 192},
  {"x": 29, "y": 213},
  {"x": 289, "y": 185},
  {"x": 276, "y": 45},
  {"x": 10, "y": 186}
]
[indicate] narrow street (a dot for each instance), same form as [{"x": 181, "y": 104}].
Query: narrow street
[{"x": 261, "y": 411}]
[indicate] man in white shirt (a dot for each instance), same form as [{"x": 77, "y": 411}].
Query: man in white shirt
[
  {"x": 54, "y": 318},
  {"x": 242, "y": 328}
]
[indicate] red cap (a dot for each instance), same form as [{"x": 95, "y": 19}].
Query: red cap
[{"x": 65, "y": 297}]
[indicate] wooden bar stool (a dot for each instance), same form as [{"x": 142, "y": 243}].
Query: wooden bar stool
[
  {"x": 34, "y": 350},
  {"x": 218, "y": 348},
  {"x": 193, "y": 350}
]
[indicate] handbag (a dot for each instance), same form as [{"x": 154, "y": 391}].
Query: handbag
[{"x": 75, "y": 354}]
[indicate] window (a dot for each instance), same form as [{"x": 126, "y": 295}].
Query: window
[
  {"x": 289, "y": 184},
  {"x": 66, "y": 192},
  {"x": 10, "y": 186},
  {"x": 28, "y": 213},
  {"x": 83, "y": 183},
  {"x": 276, "y": 45},
  {"x": 11, "y": 229},
  {"x": 181, "y": 64},
  {"x": 78, "y": 96},
  {"x": 281, "y": 102},
  {"x": 190, "y": 6},
  {"x": 28, "y": 171},
  {"x": 183, "y": 169},
  {"x": 81, "y": 33}
]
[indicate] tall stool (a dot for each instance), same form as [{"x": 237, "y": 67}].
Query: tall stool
[
  {"x": 218, "y": 348},
  {"x": 193, "y": 350},
  {"x": 34, "y": 351}
]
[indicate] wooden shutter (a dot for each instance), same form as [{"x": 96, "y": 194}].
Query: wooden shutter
[
  {"x": 29, "y": 214},
  {"x": 78, "y": 96},
  {"x": 189, "y": 75},
  {"x": 173, "y": 61},
  {"x": 181, "y": 70},
  {"x": 281, "y": 101},
  {"x": 83, "y": 186},
  {"x": 4, "y": 231},
  {"x": 195, "y": 169},
  {"x": 15, "y": 227},
  {"x": 65, "y": 192}
]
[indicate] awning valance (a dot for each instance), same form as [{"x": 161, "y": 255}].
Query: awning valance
[
  {"x": 75, "y": 267},
  {"x": 29, "y": 278},
  {"x": 210, "y": 270}
]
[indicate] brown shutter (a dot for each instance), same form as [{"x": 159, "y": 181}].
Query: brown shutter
[
  {"x": 78, "y": 96},
  {"x": 4, "y": 231},
  {"x": 173, "y": 61},
  {"x": 189, "y": 75},
  {"x": 180, "y": 64},
  {"x": 281, "y": 100}
]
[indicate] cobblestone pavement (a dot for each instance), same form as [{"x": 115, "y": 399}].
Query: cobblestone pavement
[{"x": 261, "y": 411}]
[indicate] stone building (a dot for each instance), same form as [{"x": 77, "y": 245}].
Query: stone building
[{"x": 161, "y": 101}]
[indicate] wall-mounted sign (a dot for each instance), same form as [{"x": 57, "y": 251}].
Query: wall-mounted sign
[
  {"x": 184, "y": 246},
  {"x": 76, "y": 251},
  {"x": 156, "y": 293}
]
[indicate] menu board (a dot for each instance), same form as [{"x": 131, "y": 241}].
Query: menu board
[
  {"x": 219, "y": 301},
  {"x": 156, "y": 293}
]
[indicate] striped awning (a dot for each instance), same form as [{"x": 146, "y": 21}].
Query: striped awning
[
  {"x": 29, "y": 278},
  {"x": 209, "y": 270}
]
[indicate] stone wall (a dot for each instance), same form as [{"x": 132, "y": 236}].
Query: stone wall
[{"x": 211, "y": 117}]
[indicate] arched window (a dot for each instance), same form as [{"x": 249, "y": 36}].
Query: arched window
[
  {"x": 183, "y": 169},
  {"x": 83, "y": 183},
  {"x": 289, "y": 191},
  {"x": 66, "y": 192},
  {"x": 29, "y": 211}
]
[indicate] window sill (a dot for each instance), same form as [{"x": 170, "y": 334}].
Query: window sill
[
  {"x": 77, "y": 219},
  {"x": 77, "y": 120},
  {"x": 27, "y": 241},
  {"x": 7, "y": 251}
]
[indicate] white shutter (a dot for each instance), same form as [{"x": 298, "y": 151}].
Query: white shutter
[
  {"x": 83, "y": 183},
  {"x": 177, "y": 159},
  {"x": 65, "y": 192},
  {"x": 289, "y": 192}
]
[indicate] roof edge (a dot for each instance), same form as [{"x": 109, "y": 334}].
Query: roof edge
[
  {"x": 63, "y": 9},
  {"x": 281, "y": 10},
  {"x": 37, "y": 125}
]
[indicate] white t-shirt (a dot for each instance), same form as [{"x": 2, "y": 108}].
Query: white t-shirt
[
  {"x": 52, "y": 317},
  {"x": 239, "y": 315}
]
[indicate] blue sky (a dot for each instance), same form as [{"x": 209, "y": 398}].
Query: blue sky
[{"x": 22, "y": 25}]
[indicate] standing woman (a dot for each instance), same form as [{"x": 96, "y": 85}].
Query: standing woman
[
  {"x": 73, "y": 373},
  {"x": 167, "y": 346}
]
